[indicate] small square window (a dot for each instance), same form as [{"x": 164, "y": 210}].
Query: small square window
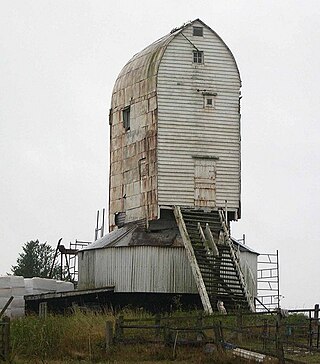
[
  {"x": 198, "y": 31},
  {"x": 209, "y": 101},
  {"x": 198, "y": 57},
  {"x": 126, "y": 117}
]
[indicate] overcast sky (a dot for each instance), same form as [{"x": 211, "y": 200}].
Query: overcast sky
[{"x": 58, "y": 63}]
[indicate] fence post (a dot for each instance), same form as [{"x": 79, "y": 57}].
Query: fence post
[
  {"x": 315, "y": 325},
  {"x": 239, "y": 326},
  {"x": 218, "y": 334},
  {"x": 157, "y": 324},
  {"x": 316, "y": 322},
  {"x": 6, "y": 337},
  {"x": 279, "y": 342},
  {"x": 109, "y": 335},
  {"x": 167, "y": 335},
  {"x": 199, "y": 324},
  {"x": 265, "y": 334},
  {"x": 119, "y": 328}
]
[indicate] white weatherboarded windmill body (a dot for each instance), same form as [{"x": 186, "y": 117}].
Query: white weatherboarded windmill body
[{"x": 175, "y": 176}]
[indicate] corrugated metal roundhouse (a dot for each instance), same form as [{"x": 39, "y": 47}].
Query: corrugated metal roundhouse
[{"x": 175, "y": 161}]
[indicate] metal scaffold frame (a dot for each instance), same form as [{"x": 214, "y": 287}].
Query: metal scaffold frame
[
  {"x": 68, "y": 260},
  {"x": 268, "y": 282}
]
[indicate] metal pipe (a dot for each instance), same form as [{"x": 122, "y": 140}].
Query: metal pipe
[
  {"x": 102, "y": 226},
  {"x": 278, "y": 279},
  {"x": 96, "y": 229}
]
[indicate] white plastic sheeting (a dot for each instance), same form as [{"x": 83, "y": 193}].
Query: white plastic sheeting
[
  {"x": 12, "y": 286},
  {"x": 18, "y": 287}
]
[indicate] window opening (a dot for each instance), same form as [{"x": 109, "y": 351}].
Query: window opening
[
  {"x": 126, "y": 117},
  {"x": 198, "y": 57},
  {"x": 198, "y": 31},
  {"x": 209, "y": 100}
]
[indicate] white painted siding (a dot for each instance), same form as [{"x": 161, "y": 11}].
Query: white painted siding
[
  {"x": 137, "y": 269},
  {"x": 186, "y": 129},
  {"x": 249, "y": 266}
]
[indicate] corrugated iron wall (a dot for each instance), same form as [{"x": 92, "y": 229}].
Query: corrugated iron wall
[
  {"x": 186, "y": 129},
  {"x": 137, "y": 269}
]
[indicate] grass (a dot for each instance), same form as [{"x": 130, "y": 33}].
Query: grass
[{"x": 80, "y": 338}]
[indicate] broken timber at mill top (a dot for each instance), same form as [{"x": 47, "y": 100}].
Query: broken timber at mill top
[{"x": 175, "y": 177}]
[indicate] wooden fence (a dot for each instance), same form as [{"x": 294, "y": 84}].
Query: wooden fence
[
  {"x": 281, "y": 334},
  {"x": 4, "y": 339}
]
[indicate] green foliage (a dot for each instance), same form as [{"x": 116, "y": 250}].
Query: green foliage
[{"x": 35, "y": 261}]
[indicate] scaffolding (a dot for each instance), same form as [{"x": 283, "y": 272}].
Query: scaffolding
[
  {"x": 268, "y": 282},
  {"x": 68, "y": 260}
]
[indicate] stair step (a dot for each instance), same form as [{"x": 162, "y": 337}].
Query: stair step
[{"x": 220, "y": 274}]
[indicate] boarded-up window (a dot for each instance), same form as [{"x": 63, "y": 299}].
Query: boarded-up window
[
  {"x": 120, "y": 218},
  {"x": 143, "y": 168},
  {"x": 198, "y": 31},
  {"x": 204, "y": 182}
]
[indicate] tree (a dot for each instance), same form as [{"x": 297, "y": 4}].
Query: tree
[{"x": 36, "y": 261}]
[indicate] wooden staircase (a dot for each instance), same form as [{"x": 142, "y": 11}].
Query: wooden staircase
[{"x": 213, "y": 259}]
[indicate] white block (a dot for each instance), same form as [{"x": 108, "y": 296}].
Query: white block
[
  {"x": 16, "y": 291},
  {"x": 64, "y": 286},
  {"x": 5, "y": 292},
  {"x": 3, "y": 302},
  {"x": 39, "y": 291},
  {"x": 17, "y": 302},
  {"x": 28, "y": 291},
  {"x": 44, "y": 284},
  {"x": 11, "y": 281}
]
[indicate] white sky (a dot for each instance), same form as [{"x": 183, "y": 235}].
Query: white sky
[{"x": 58, "y": 63}]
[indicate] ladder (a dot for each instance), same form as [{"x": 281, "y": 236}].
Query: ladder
[{"x": 213, "y": 259}]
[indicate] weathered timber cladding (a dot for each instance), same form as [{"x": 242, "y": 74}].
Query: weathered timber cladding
[
  {"x": 143, "y": 269},
  {"x": 187, "y": 129},
  {"x": 153, "y": 162},
  {"x": 133, "y": 152}
]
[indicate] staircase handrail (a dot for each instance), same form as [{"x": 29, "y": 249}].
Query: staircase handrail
[
  {"x": 193, "y": 261},
  {"x": 228, "y": 241}
]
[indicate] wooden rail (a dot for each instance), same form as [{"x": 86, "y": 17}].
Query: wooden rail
[{"x": 274, "y": 333}]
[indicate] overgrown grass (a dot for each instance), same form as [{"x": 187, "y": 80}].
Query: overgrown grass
[
  {"x": 80, "y": 337},
  {"x": 77, "y": 336}
]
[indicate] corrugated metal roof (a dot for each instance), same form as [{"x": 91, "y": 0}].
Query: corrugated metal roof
[
  {"x": 120, "y": 236},
  {"x": 243, "y": 247},
  {"x": 134, "y": 235}
]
